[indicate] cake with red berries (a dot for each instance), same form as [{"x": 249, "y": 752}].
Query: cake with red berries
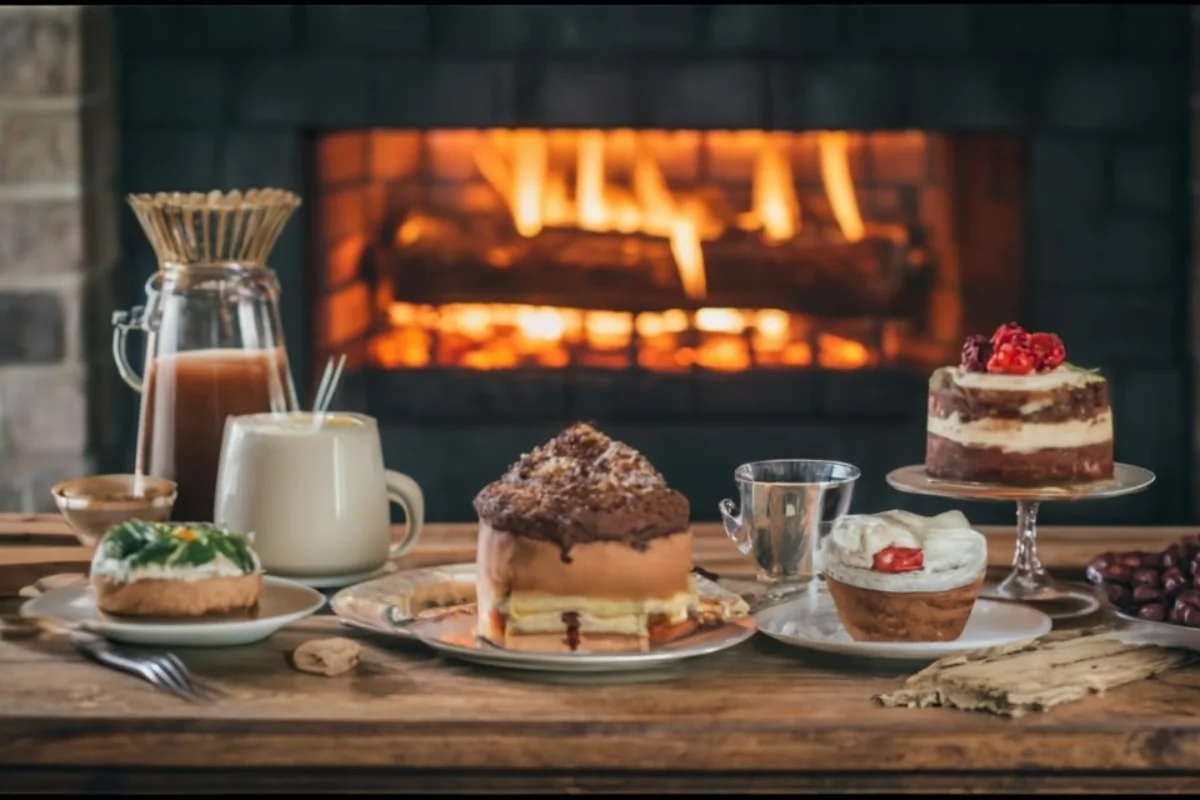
[
  {"x": 900, "y": 577},
  {"x": 1014, "y": 412}
]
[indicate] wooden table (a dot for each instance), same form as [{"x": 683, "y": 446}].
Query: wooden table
[{"x": 759, "y": 717}]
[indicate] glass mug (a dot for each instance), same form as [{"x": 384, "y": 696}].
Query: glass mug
[
  {"x": 314, "y": 492},
  {"x": 788, "y": 507}
]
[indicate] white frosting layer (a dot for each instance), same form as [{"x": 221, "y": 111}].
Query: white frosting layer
[
  {"x": 1015, "y": 436},
  {"x": 1033, "y": 382},
  {"x": 219, "y": 567},
  {"x": 954, "y": 554}
]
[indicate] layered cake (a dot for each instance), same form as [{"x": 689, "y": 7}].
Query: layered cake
[
  {"x": 900, "y": 577},
  {"x": 1015, "y": 413},
  {"x": 583, "y": 547},
  {"x": 159, "y": 569}
]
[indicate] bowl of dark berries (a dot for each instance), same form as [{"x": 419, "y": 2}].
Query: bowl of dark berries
[{"x": 1160, "y": 588}]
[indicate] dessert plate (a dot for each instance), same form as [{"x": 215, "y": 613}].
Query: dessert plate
[
  {"x": 281, "y": 603},
  {"x": 388, "y": 604},
  {"x": 454, "y": 635},
  {"x": 436, "y": 606},
  {"x": 811, "y": 622}
]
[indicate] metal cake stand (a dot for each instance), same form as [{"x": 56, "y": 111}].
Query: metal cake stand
[{"x": 1029, "y": 582}]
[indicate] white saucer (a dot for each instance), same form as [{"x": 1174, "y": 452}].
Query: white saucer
[
  {"x": 812, "y": 623},
  {"x": 281, "y": 603},
  {"x": 455, "y": 636}
]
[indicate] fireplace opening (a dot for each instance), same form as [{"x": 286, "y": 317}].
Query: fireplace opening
[{"x": 662, "y": 252}]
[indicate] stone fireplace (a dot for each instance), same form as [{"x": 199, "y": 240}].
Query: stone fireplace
[{"x": 721, "y": 232}]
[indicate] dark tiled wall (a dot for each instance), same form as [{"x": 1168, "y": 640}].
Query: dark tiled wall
[{"x": 226, "y": 94}]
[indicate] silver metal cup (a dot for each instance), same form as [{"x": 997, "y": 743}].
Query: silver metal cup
[{"x": 787, "y": 507}]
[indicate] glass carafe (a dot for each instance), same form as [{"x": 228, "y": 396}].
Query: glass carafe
[{"x": 214, "y": 339}]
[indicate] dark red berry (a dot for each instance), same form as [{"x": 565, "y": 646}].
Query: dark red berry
[
  {"x": 976, "y": 351},
  {"x": 1146, "y": 594},
  {"x": 1155, "y": 612},
  {"x": 1117, "y": 573},
  {"x": 1118, "y": 595},
  {"x": 1145, "y": 577}
]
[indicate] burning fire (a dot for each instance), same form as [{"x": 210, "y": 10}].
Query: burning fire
[
  {"x": 517, "y": 165},
  {"x": 614, "y": 182}
]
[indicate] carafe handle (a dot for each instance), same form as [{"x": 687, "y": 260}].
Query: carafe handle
[
  {"x": 122, "y": 324},
  {"x": 734, "y": 527}
]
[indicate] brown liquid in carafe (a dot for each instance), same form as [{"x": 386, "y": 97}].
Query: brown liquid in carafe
[{"x": 187, "y": 397}]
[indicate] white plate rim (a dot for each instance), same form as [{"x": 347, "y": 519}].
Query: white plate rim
[
  {"x": 100, "y": 625},
  {"x": 912, "y": 651},
  {"x": 597, "y": 662}
]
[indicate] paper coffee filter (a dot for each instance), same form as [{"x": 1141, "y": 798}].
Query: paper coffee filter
[{"x": 189, "y": 229}]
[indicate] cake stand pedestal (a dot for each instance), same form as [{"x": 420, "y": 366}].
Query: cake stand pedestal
[{"x": 1029, "y": 582}]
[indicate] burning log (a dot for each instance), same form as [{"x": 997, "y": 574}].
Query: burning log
[{"x": 637, "y": 272}]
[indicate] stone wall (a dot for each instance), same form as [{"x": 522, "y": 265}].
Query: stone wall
[{"x": 58, "y": 244}]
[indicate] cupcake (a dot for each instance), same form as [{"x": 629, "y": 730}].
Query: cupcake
[{"x": 900, "y": 577}]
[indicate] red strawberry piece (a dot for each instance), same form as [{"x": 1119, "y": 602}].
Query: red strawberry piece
[
  {"x": 1048, "y": 351},
  {"x": 898, "y": 559},
  {"x": 1011, "y": 359},
  {"x": 1010, "y": 333}
]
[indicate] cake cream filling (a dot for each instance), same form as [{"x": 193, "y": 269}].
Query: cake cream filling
[
  {"x": 540, "y": 613},
  {"x": 954, "y": 555},
  {"x": 120, "y": 571},
  {"x": 1034, "y": 382},
  {"x": 1015, "y": 436}
]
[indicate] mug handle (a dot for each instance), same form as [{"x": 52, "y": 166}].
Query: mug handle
[{"x": 404, "y": 492}]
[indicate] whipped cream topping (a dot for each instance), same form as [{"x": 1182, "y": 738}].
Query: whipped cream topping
[
  {"x": 954, "y": 553},
  {"x": 1033, "y": 382},
  {"x": 120, "y": 571}
]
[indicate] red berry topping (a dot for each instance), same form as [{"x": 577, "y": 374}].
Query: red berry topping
[
  {"x": 898, "y": 559},
  {"x": 1011, "y": 359},
  {"x": 1048, "y": 351},
  {"x": 1010, "y": 333},
  {"x": 976, "y": 351}
]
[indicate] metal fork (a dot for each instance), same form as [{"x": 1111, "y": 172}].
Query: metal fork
[{"x": 163, "y": 670}]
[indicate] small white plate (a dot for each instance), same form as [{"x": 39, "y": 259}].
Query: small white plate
[
  {"x": 811, "y": 622},
  {"x": 455, "y": 636},
  {"x": 281, "y": 603}
]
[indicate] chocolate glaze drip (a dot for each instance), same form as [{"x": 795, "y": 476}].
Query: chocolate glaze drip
[
  {"x": 580, "y": 487},
  {"x": 571, "y": 620}
]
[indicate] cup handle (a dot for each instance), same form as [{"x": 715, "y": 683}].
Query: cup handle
[
  {"x": 734, "y": 528},
  {"x": 404, "y": 492}
]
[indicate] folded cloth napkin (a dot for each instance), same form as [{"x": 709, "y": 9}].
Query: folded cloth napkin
[{"x": 1014, "y": 679}]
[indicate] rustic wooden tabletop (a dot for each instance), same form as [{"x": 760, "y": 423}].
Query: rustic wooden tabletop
[{"x": 759, "y": 717}]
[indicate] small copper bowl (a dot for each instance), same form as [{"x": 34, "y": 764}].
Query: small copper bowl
[{"x": 94, "y": 504}]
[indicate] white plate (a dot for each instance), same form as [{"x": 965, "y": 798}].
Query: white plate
[
  {"x": 455, "y": 636},
  {"x": 395, "y": 605},
  {"x": 812, "y": 623},
  {"x": 282, "y": 602},
  {"x": 384, "y": 604},
  {"x": 1135, "y": 630}
]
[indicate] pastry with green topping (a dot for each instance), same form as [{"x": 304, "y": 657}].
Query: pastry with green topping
[{"x": 163, "y": 569}]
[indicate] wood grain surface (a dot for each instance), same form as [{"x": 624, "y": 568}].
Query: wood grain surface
[{"x": 759, "y": 717}]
